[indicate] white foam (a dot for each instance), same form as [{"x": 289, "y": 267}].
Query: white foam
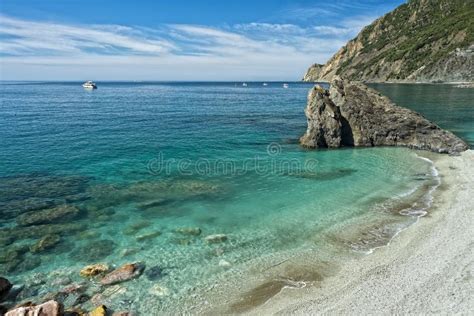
[{"x": 418, "y": 212}]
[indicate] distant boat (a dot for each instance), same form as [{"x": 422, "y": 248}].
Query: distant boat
[
  {"x": 285, "y": 85},
  {"x": 265, "y": 84},
  {"x": 89, "y": 85},
  {"x": 244, "y": 84}
]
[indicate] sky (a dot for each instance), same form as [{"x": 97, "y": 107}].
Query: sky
[{"x": 176, "y": 40}]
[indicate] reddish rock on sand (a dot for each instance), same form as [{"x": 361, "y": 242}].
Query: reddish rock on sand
[
  {"x": 50, "y": 308},
  {"x": 124, "y": 273}
]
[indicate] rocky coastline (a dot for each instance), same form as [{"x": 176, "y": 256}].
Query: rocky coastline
[
  {"x": 350, "y": 114},
  {"x": 418, "y": 42}
]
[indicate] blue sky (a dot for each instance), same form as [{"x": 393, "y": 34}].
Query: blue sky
[{"x": 175, "y": 40}]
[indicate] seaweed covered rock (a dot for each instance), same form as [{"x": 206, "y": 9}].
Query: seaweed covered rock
[{"x": 60, "y": 213}]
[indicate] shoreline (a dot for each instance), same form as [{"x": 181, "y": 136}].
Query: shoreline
[{"x": 428, "y": 267}]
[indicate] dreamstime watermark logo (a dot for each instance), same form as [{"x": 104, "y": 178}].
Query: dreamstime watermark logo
[{"x": 270, "y": 162}]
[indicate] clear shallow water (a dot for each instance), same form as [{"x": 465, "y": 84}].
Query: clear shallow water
[{"x": 140, "y": 160}]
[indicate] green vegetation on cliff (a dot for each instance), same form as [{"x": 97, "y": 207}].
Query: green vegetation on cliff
[{"x": 421, "y": 40}]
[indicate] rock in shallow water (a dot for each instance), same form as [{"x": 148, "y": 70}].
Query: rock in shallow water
[
  {"x": 50, "y": 308},
  {"x": 60, "y": 213},
  {"x": 5, "y": 287},
  {"x": 94, "y": 250},
  {"x": 124, "y": 273},
  {"x": 94, "y": 270},
  {"x": 154, "y": 273},
  {"x": 46, "y": 243},
  {"x": 158, "y": 290},
  {"x": 352, "y": 114},
  {"x": 216, "y": 238},
  {"x": 193, "y": 231},
  {"x": 148, "y": 236}
]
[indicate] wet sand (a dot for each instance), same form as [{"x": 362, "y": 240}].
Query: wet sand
[{"x": 427, "y": 268}]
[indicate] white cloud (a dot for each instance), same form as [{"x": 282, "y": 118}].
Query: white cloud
[{"x": 33, "y": 50}]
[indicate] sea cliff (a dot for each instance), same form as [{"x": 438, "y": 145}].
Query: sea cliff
[
  {"x": 420, "y": 41},
  {"x": 352, "y": 114}
]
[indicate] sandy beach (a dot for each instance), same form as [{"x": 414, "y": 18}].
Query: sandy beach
[{"x": 427, "y": 268}]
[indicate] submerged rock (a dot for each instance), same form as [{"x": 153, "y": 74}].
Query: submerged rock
[
  {"x": 5, "y": 241},
  {"x": 5, "y": 287},
  {"x": 50, "y": 308},
  {"x": 352, "y": 114},
  {"x": 224, "y": 263},
  {"x": 110, "y": 294},
  {"x": 154, "y": 273},
  {"x": 94, "y": 270},
  {"x": 193, "y": 231},
  {"x": 158, "y": 290},
  {"x": 95, "y": 250},
  {"x": 45, "y": 243},
  {"x": 216, "y": 238},
  {"x": 31, "y": 192},
  {"x": 75, "y": 311},
  {"x": 148, "y": 236},
  {"x": 155, "y": 203},
  {"x": 134, "y": 228},
  {"x": 57, "y": 214},
  {"x": 124, "y": 273},
  {"x": 39, "y": 231}
]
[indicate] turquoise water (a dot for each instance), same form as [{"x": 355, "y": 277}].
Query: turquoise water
[{"x": 139, "y": 161}]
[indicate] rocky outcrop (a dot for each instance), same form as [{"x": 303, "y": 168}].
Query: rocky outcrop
[
  {"x": 50, "y": 308},
  {"x": 313, "y": 72},
  {"x": 352, "y": 114},
  {"x": 420, "y": 41}
]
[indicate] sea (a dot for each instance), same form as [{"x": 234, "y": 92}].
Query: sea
[{"x": 203, "y": 184}]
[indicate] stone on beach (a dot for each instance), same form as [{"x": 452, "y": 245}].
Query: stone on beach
[
  {"x": 60, "y": 213},
  {"x": 94, "y": 270},
  {"x": 122, "y": 274},
  {"x": 49, "y": 308},
  {"x": 216, "y": 238}
]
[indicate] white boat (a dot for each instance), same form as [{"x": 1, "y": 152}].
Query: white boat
[
  {"x": 89, "y": 85},
  {"x": 285, "y": 85},
  {"x": 265, "y": 84},
  {"x": 244, "y": 84}
]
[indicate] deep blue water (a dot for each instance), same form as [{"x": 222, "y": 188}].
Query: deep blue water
[{"x": 139, "y": 161}]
